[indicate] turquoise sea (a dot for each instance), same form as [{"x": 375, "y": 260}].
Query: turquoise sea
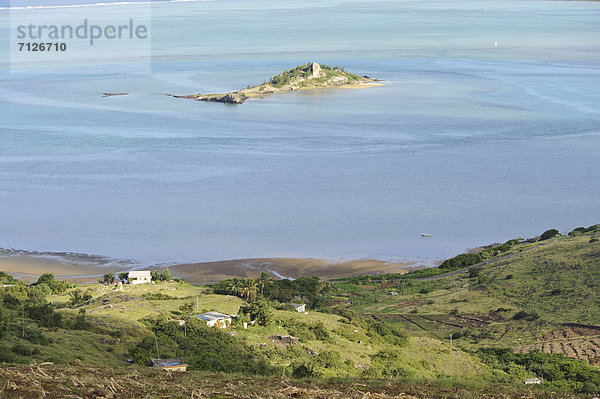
[{"x": 487, "y": 128}]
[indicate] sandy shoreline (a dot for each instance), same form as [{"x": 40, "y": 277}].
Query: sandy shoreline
[
  {"x": 287, "y": 267},
  {"x": 28, "y": 266}
]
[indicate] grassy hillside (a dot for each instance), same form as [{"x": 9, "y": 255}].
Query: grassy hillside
[
  {"x": 558, "y": 282},
  {"x": 481, "y": 321},
  {"x": 530, "y": 297}
]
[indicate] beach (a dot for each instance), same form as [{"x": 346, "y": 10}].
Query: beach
[{"x": 28, "y": 267}]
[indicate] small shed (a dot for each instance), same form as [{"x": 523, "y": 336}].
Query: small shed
[
  {"x": 215, "y": 319},
  {"x": 532, "y": 381},
  {"x": 300, "y": 307},
  {"x": 139, "y": 277},
  {"x": 169, "y": 364}
]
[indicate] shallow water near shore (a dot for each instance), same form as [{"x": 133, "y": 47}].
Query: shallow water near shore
[{"x": 469, "y": 141}]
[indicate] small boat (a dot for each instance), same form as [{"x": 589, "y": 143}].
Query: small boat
[{"x": 426, "y": 235}]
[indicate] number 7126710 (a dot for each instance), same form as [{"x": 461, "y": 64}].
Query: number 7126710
[{"x": 39, "y": 47}]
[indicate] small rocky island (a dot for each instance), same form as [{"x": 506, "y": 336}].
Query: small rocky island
[{"x": 309, "y": 76}]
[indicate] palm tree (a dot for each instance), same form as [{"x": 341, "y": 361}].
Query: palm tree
[
  {"x": 263, "y": 280},
  {"x": 249, "y": 289},
  {"x": 235, "y": 286}
]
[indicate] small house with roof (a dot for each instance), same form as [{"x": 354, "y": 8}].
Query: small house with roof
[
  {"x": 214, "y": 319},
  {"x": 300, "y": 307},
  {"x": 169, "y": 364},
  {"x": 139, "y": 277}
]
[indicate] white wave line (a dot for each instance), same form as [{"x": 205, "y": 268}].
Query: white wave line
[{"x": 120, "y": 3}]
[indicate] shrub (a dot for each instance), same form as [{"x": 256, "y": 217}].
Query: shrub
[
  {"x": 4, "y": 317},
  {"x": 483, "y": 280},
  {"x": 548, "y": 234},
  {"x": 187, "y": 308},
  {"x": 522, "y": 315},
  {"x": 387, "y": 364},
  {"x": 474, "y": 272},
  {"x": 304, "y": 370},
  {"x": 460, "y": 261},
  {"x": 589, "y": 388},
  {"x": 259, "y": 311},
  {"x": 577, "y": 231},
  {"x": 157, "y": 296},
  {"x": 7, "y": 356},
  {"x": 559, "y": 372},
  {"x": 108, "y": 278},
  {"x": 36, "y": 336},
  {"x": 46, "y": 282},
  {"x": 320, "y": 331},
  {"x": 24, "y": 349},
  {"x": 79, "y": 297},
  {"x": 6, "y": 278},
  {"x": 593, "y": 239},
  {"x": 509, "y": 276},
  {"x": 45, "y": 316},
  {"x": 80, "y": 322}
]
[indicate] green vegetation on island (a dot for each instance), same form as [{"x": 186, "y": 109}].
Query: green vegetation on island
[{"x": 308, "y": 76}]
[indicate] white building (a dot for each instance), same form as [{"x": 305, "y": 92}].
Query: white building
[
  {"x": 532, "y": 381},
  {"x": 139, "y": 277},
  {"x": 300, "y": 307},
  {"x": 215, "y": 319}
]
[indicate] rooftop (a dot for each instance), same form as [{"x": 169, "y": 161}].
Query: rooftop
[
  {"x": 167, "y": 362},
  {"x": 209, "y": 316},
  {"x": 139, "y": 273}
]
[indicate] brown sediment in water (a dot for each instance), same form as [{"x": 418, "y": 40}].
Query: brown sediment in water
[
  {"x": 28, "y": 266},
  {"x": 288, "y": 267}
]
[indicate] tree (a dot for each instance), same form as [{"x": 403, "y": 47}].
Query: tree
[
  {"x": 80, "y": 322},
  {"x": 249, "y": 290},
  {"x": 263, "y": 280},
  {"x": 108, "y": 278},
  {"x": 234, "y": 286},
  {"x": 258, "y": 311},
  {"x": 187, "y": 308},
  {"x": 548, "y": 234},
  {"x": 165, "y": 275},
  {"x": 474, "y": 272},
  {"x": 47, "y": 279},
  {"x": 79, "y": 297},
  {"x": 123, "y": 276},
  {"x": 3, "y": 320},
  {"x": 45, "y": 316},
  {"x": 47, "y": 282}
]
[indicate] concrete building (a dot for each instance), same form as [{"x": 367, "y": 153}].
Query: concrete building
[
  {"x": 139, "y": 277},
  {"x": 300, "y": 307},
  {"x": 215, "y": 319}
]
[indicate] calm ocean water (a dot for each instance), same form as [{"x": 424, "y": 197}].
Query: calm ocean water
[{"x": 487, "y": 128}]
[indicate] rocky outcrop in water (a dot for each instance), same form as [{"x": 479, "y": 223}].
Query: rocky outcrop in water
[{"x": 309, "y": 76}]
